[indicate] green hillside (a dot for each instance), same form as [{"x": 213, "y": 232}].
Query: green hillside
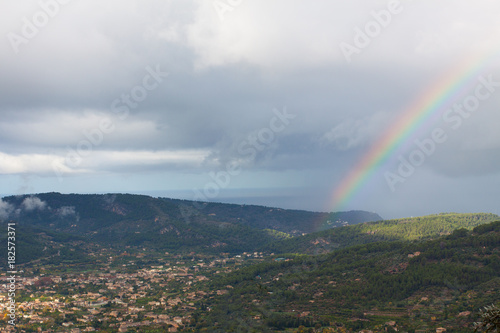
[
  {"x": 120, "y": 220},
  {"x": 407, "y": 229},
  {"x": 380, "y": 286},
  {"x": 33, "y": 243},
  {"x": 160, "y": 224}
]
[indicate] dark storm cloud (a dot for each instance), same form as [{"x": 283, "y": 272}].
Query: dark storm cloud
[{"x": 81, "y": 93}]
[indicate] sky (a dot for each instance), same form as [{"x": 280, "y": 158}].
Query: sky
[{"x": 258, "y": 102}]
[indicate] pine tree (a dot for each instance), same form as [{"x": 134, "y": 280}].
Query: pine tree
[{"x": 490, "y": 320}]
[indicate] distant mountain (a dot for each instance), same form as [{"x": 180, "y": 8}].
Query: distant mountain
[
  {"x": 158, "y": 223},
  {"x": 92, "y": 211},
  {"x": 120, "y": 220},
  {"x": 66, "y": 224},
  {"x": 291, "y": 221}
]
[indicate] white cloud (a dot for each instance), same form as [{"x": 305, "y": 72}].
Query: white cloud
[
  {"x": 190, "y": 158},
  {"x": 66, "y": 211},
  {"x": 33, "y": 203},
  {"x": 5, "y": 209},
  {"x": 273, "y": 34},
  {"x": 84, "y": 162},
  {"x": 295, "y": 34},
  {"x": 26, "y": 163}
]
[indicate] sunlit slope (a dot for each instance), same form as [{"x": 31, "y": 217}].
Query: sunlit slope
[{"x": 407, "y": 229}]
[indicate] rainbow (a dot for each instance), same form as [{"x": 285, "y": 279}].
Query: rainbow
[{"x": 421, "y": 112}]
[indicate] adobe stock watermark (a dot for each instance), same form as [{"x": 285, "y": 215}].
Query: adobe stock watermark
[
  {"x": 120, "y": 107},
  {"x": 248, "y": 150},
  {"x": 32, "y": 26},
  {"x": 454, "y": 118},
  {"x": 363, "y": 37},
  {"x": 222, "y": 7}
]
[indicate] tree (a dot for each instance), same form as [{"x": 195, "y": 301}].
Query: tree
[{"x": 490, "y": 320}]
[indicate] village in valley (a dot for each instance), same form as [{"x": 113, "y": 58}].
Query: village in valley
[{"x": 121, "y": 291}]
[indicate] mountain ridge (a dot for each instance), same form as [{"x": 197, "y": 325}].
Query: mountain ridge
[
  {"x": 58, "y": 207},
  {"x": 161, "y": 224}
]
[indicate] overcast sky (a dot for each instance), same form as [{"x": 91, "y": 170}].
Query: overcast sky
[{"x": 269, "y": 102}]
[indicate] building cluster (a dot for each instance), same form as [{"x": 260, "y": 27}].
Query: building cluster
[{"x": 163, "y": 295}]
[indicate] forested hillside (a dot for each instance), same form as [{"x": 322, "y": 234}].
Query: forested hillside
[
  {"x": 46, "y": 220},
  {"x": 49, "y": 220},
  {"x": 396, "y": 286},
  {"x": 34, "y": 243},
  {"x": 407, "y": 229}
]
